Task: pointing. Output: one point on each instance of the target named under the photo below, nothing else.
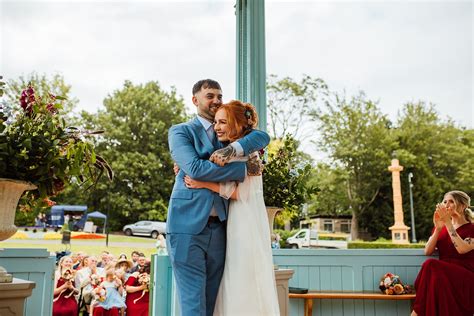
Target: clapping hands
(441, 216)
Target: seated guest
(64, 302)
(446, 286)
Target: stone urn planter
(271, 212)
(10, 193)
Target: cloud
(396, 51)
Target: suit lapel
(201, 132)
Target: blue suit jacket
(191, 148)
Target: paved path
(100, 242)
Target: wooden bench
(308, 297)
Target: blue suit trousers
(198, 264)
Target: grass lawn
(92, 247)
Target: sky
(396, 51)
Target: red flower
(49, 202)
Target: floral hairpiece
(248, 114)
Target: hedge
(378, 245)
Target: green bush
(332, 238)
(284, 234)
(380, 245)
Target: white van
(303, 238)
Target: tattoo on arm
(454, 244)
(468, 240)
(453, 232)
(223, 155)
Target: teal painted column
(251, 65)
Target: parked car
(145, 228)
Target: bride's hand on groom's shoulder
(222, 156)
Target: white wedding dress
(248, 285)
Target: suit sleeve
(254, 141)
(185, 155)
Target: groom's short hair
(204, 84)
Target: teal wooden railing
(319, 269)
(34, 265)
(349, 270)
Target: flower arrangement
(143, 278)
(392, 285)
(37, 146)
(96, 280)
(99, 293)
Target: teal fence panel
(163, 299)
(349, 270)
(319, 269)
(34, 265)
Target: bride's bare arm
(213, 186)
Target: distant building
(328, 224)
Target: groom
(196, 229)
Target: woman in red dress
(64, 302)
(138, 295)
(446, 286)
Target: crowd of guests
(111, 286)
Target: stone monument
(399, 229)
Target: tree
(291, 104)
(136, 120)
(439, 154)
(330, 200)
(357, 138)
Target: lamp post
(410, 185)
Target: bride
(248, 282)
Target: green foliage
(359, 141)
(356, 136)
(37, 145)
(440, 156)
(380, 245)
(25, 218)
(285, 178)
(332, 238)
(284, 235)
(331, 199)
(136, 119)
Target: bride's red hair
(241, 118)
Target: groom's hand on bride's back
(254, 166)
(222, 156)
